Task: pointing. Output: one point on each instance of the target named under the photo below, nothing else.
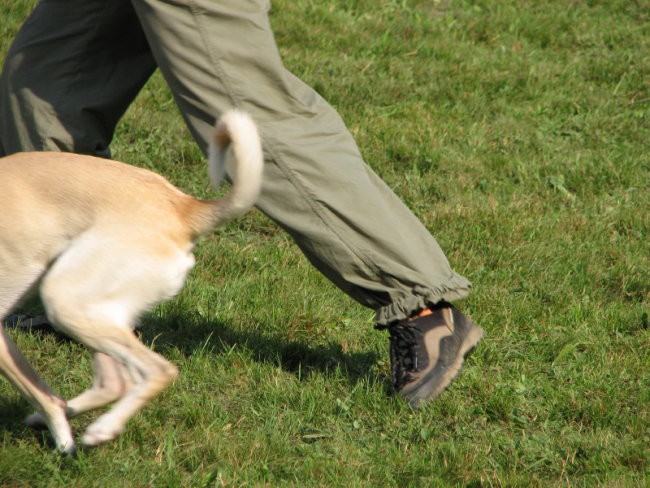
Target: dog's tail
(237, 131)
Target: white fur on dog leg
(70, 450)
(100, 431)
(65, 445)
(63, 440)
(60, 430)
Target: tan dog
(111, 241)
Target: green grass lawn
(519, 132)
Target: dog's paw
(63, 438)
(98, 433)
(67, 450)
(59, 428)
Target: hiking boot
(426, 352)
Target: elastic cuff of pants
(420, 298)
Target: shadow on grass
(12, 414)
(189, 334)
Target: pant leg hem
(454, 289)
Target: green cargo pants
(76, 65)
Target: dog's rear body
(105, 241)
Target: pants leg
(221, 54)
(73, 69)
(349, 224)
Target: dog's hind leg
(111, 380)
(15, 367)
(95, 297)
(151, 373)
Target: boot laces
(404, 343)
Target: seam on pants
(214, 61)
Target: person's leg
(349, 224)
(70, 74)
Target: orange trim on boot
(424, 313)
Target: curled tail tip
(237, 130)
(234, 127)
(233, 121)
